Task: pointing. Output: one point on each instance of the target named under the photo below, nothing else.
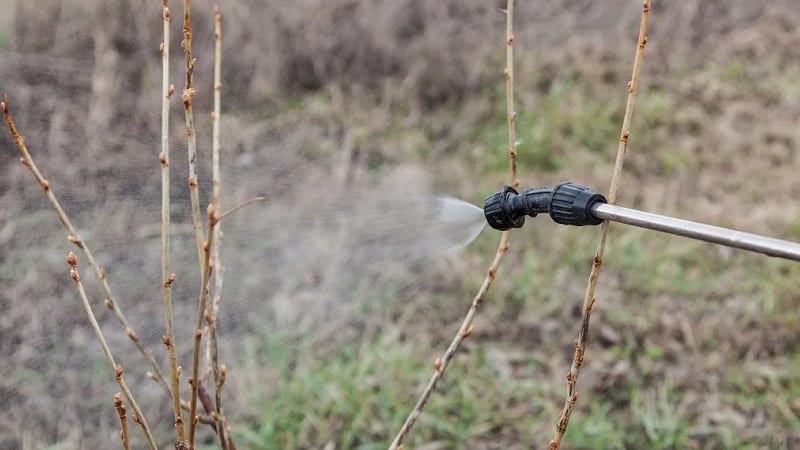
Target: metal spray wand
(572, 204)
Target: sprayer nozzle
(499, 213)
(567, 203)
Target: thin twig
(220, 373)
(110, 302)
(191, 138)
(216, 181)
(202, 312)
(168, 277)
(511, 114)
(241, 205)
(211, 319)
(464, 331)
(123, 422)
(466, 328)
(588, 299)
(72, 261)
(215, 116)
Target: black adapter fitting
(567, 203)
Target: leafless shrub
(217, 421)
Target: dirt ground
(691, 345)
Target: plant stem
(123, 422)
(464, 331)
(212, 347)
(597, 261)
(191, 138)
(111, 302)
(202, 311)
(168, 277)
(72, 261)
(241, 205)
(511, 114)
(466, 328)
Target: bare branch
(202, 311)
(110, 302)
(72, 261)
(123, 422)
(241, 205)
(511, 114)
(191, 138)
(464, 331)
(588, 299)
(167, 277)
(212, 347)
(466, 328)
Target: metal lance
(572, 204)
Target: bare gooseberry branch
(191, 138)
(111, 303)
(466, 329)
(72, 261)
(167, 277)
(597, 261)
(123, 421)
(202, 312)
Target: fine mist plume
(308, 249)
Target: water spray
(572, 204)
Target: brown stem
(111, 302)
(466, 328)
(191, 138)
(123, 422)
(597, 262)
(202, 311)
(72, 261)
(241, 205)
(167, 277)
(212, 347)
(464, 331)
(511, 114)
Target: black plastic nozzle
(567, 203)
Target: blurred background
(346, 114)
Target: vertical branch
(510, 112)
(216, 183)
(466, 329)
(166, 276)
(123, 422)
(202, 312)
(72, 261)
(215, 116)
(588, 299)
(212, 347)
(191, 138)
(110, 302)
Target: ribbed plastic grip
(572, 205)
(498, 213)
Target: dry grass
(717, 106)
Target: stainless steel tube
(694, 230)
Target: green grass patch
(565, 124)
